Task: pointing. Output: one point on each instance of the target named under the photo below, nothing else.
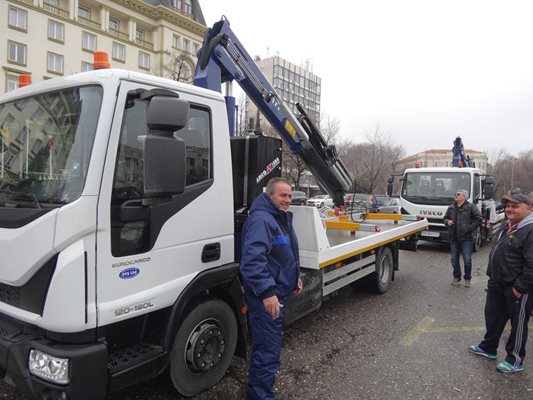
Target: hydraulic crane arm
(223, 59)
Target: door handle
(211, 252)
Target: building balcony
(89, 23)
(144, 43)
(56, 10)
(118, 34)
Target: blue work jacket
(270, 262)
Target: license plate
(430, 234)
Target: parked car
(380, 199)
(391, 206)
(320, 200)
(357, 200)
(299, 198)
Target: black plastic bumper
(87, 366)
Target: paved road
(409, 343)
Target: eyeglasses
(457, 194)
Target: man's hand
(272, 306)
(299, 286)
(450, 223)
(517, 294)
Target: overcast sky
(424, 71)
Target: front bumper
(87, 364)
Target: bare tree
(177, 66)
(372, 162)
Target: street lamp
(512, 173)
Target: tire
(477, 241)
(380, 280)
(203, 347)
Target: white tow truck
(122, 196)
(428, 191)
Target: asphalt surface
(409, 343)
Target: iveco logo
(428, 212)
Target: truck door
(149, 250)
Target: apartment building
(293, 83)
(50, 38)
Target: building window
(17, 18)
(17, 53)
(176, 4)
(186, 44)
(188, 6)
(185, 72)
(8, 121)
(22, 135)
(113, 24)
(12, 82)
(175, 41)
(54, 3)
(56, 31)
(36, 146)
(85, 66)
(196, 48)
(84, 12)
(88, 41)
(55, 63)
(139, 34)
(119, 52)
(144, 60)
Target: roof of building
(435, 151)
(197, 13)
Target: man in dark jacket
(270, 271)
(463, 221)
(510, 285)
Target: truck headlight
(48, 367)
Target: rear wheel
(379, 281)
(203, 347)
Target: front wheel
(203, 347)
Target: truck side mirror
(164, 154)
(488, 188)
(390, 185)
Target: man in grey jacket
(463, 221)
(510, 286)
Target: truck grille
(9, 295)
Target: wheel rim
(385, 270)
(205, 346)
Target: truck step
(133, 355)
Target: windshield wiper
(20, 200)
(417, 197)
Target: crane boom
(223, 59)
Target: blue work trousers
(266, 349)
(464, 247)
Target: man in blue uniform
(270, 271)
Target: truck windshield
(46, 141)
(434, 187)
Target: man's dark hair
(271, 185)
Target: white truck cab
(427, 192)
